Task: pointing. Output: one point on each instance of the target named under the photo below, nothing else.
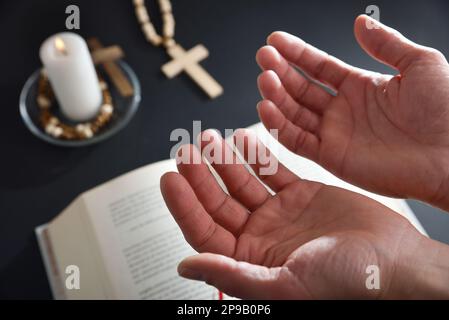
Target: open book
(126, 244)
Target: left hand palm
(385, 134)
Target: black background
(37, 180)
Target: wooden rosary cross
(188, 61)
(106, 56)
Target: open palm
(386, 134)
(308, 240)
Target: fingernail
(191, 274)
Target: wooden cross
(106, 57)
(188, 61)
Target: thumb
(240, 279)
(389, 46)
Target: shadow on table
(25, 276)
(27, 161)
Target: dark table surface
(38, 180)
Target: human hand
(386, 134)
(308, 240)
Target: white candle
(72, 75)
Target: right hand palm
(386, 134)
(308, 240)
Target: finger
(299, 88)
(316, 63)
(388, 45)
(242, 279)
(272, 89)
(221, 207)
(262, 161)
(292, 137)
(198, 227)
(241, 185)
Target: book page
(71, 243)
(140, 243)
(309, 170)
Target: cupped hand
(303, 240)
(387, 134)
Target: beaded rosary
(187, 61)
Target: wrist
(423, 272)
(441, 196)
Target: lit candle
(72, 75)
